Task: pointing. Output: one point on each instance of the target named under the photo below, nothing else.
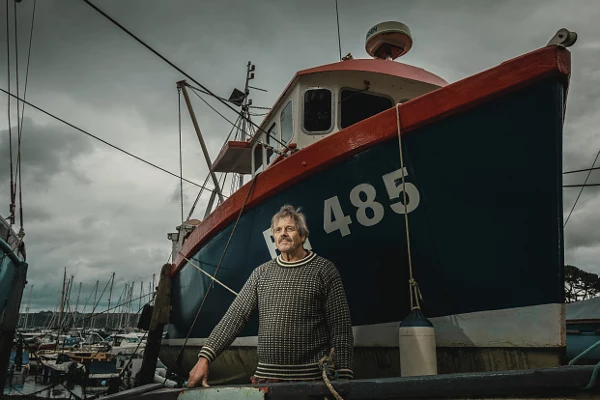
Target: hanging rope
(180, 153)
(209, 275)
(328, 372)
(212, 282)
(582, 187)
(413, 286)
(12, 183)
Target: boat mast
(183, 86)
(62, 305)
(141, 293)
(93, 320)
(27, 308)
(112, 281)
(76, 306)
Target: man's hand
(199, 374)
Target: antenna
(337, 17)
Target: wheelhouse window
(357, 105)
(286, 123)
(271, 141)
(318, 111)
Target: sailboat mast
(27, 308)
(93, 320)
(112, 281)
(76, 305)
(62, 305)
(141, 292)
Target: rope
(337, 18)
(215, 274)
(207, 274)
(16, 37)
(326, 365)
(582, 187)
(580, 170)
(180, 152)
(199, 194)
(413, 286)
(104, 141)
(12, 183)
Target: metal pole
(93, 320)
(62, 305)
(183, 86)
(129, 306)
(76, 306)
(27, 308)
(112, 281)
(141, 293)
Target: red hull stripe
(449, 100)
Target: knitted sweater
(303, 313)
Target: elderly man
(303, 312)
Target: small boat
(482, 163)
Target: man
(303, 312)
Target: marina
(398, 172)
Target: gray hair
(293, 213)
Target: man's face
(287, 237)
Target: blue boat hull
(485, 224)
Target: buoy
(417, 345)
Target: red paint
(384, 67)
(452, 99)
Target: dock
(567, 382)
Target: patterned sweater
(303, 313)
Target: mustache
(284, 239)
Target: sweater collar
(298, 263)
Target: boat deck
(566, 382)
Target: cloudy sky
(94, 210)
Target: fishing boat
(482, 163)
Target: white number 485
(363, 197)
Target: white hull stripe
(532, 326)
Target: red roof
(379, 66)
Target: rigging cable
(267, 146)
(12, 183)
(582, 187)
(580, 170)
(16, 37)
(105, 142)
(22, 119)
(180, 152)
(337, 18)
(89, 3)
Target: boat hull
(485, 219)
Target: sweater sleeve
(234, 320)
(337, 313)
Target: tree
(580, 285)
